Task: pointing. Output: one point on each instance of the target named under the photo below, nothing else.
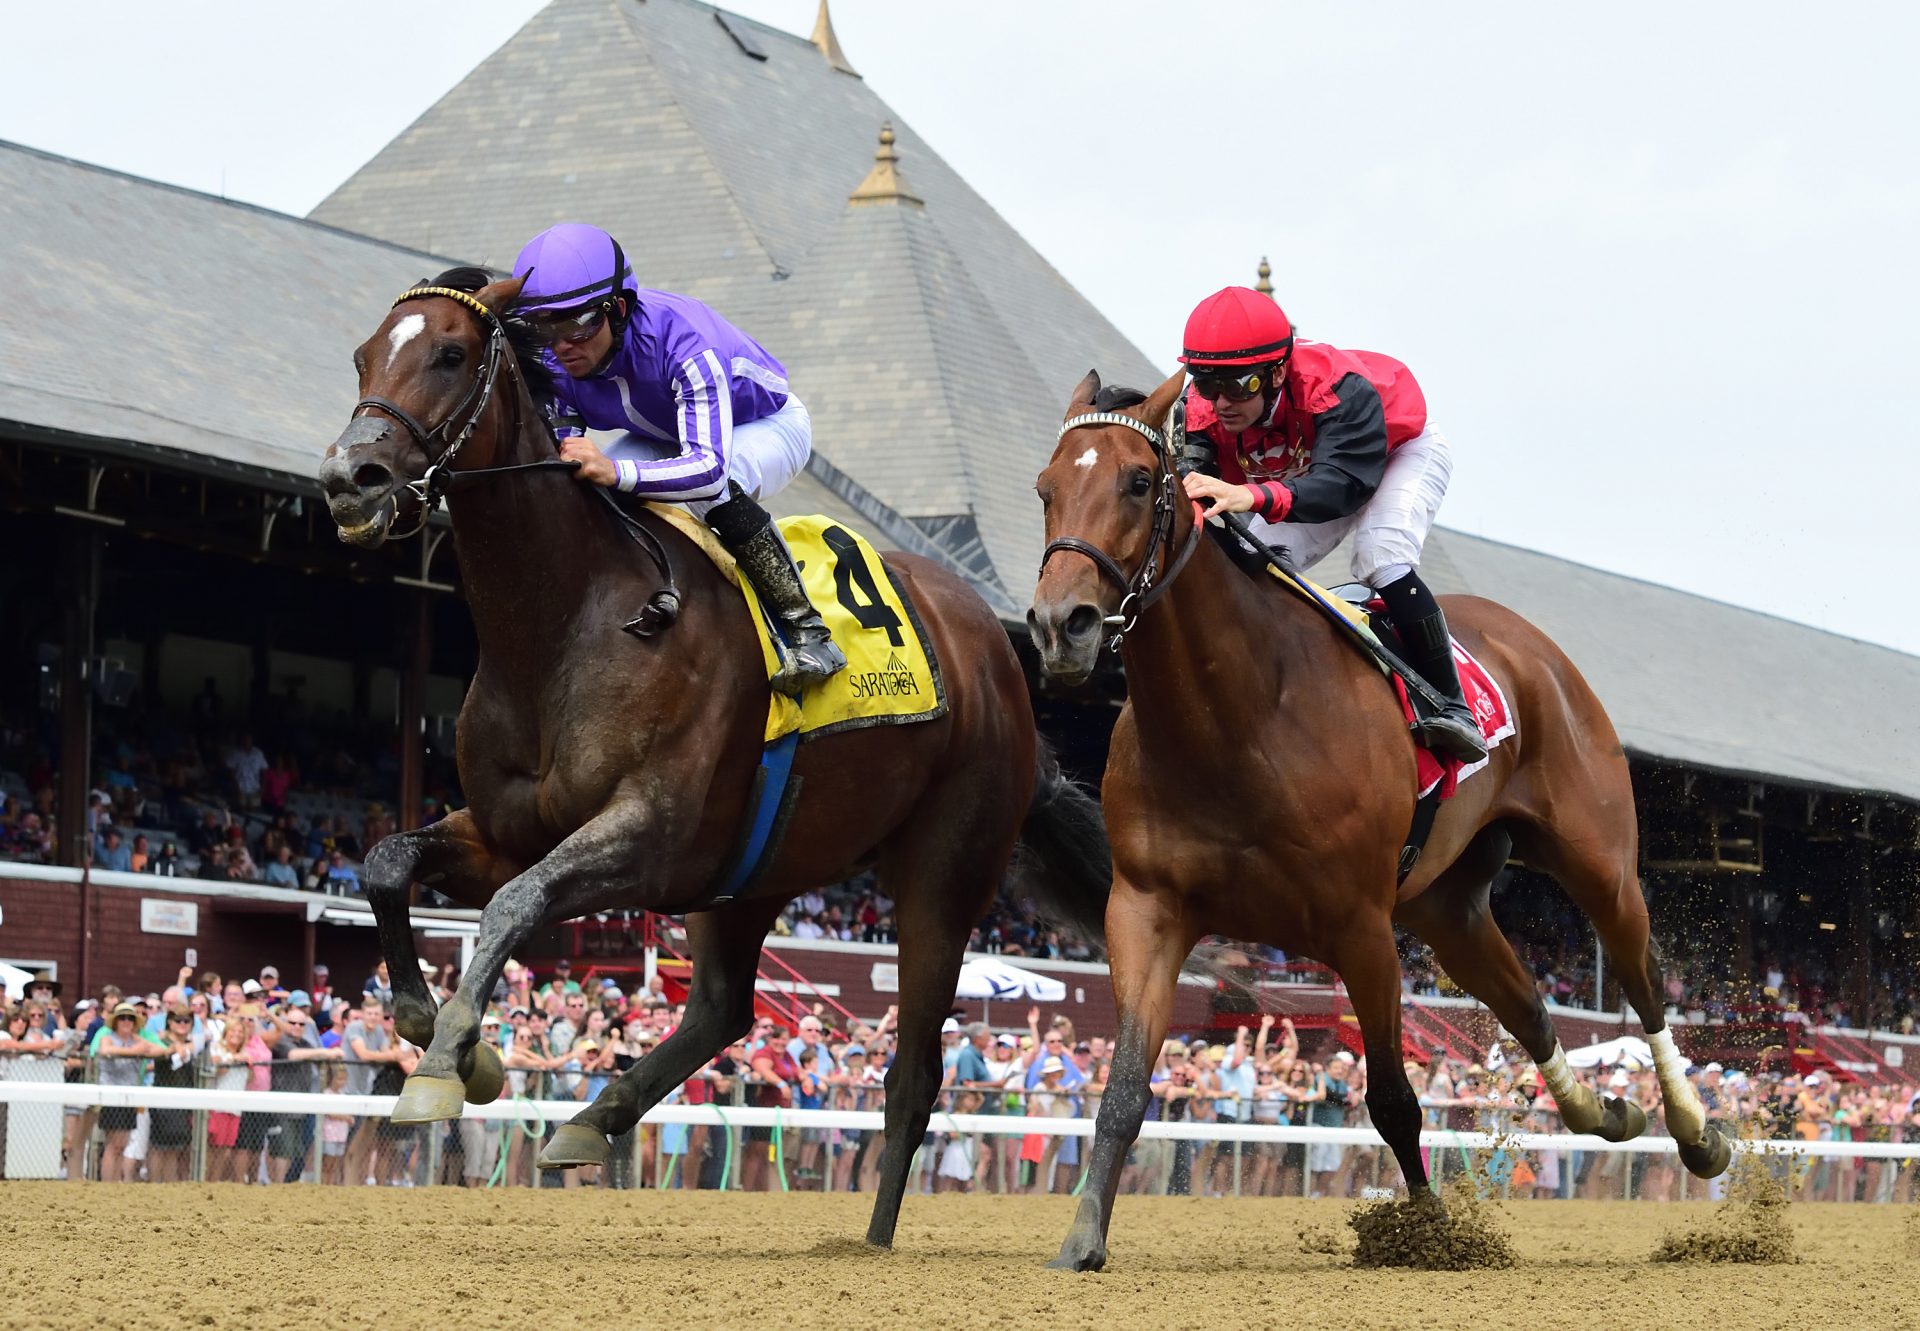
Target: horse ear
(1083, 395)
(499, 296)
(1154, 410)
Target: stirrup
(1453, 733)
(812, 656)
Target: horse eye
(1139, 483)
(449, 356)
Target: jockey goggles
(571, 326)
(1210, 385)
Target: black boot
(809, 653)
(1423, 628)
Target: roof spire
(829, 44)
(885, 184)
(1265, 285)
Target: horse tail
(1066, 865)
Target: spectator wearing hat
(120, 1047)
(774, 1074)
(1047, 1099)
(294, 1045)
(480, 1137)
(370, 1048)
(110, 852)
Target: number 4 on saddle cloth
(892, 676)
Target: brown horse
(607, 770)
(1261, 782)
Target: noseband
(433, 483)
(1146, 583)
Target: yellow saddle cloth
(891, 677)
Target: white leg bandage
(1686, 1116)
(1579, 1107)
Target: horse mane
(533, 368)
(1116, 397)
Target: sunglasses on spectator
(571, 326)
(1214, 385)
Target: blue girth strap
(768, 808)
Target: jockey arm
(703, 397)
(1349, 458)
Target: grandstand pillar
(1858, 988)
(82, 564)
(413, 706)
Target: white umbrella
(1628, 1049)
(16, 981)
(994, 980)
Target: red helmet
(1236, 326)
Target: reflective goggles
(1211, 385)
(572, 326)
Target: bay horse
(606, 770)
(1260, 784)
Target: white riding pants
(1391, 528)
(765, 455)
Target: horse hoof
(428, 1100)
(485, 1076)
(413, 1020)
(1077, 1255)
(574, 1144)
(1625, 1120)
(1708, 1157)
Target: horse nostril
(1083, 621)
(371, 476)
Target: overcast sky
(1653, 264)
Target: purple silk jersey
(681, 373)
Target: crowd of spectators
(297, 807)
(564, 1039)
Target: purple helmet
(572, 265)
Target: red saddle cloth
(1489, 706)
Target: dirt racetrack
(286, 1259)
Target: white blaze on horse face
(1088, 458)
(404, 332)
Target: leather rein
(1147, 582)
(662, 608)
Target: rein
(662, 608)
(1147, 582)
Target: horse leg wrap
(1686, 1115)
(1579, 1108)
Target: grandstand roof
(934, 347)
(1698, 681)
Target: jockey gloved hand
(1219, 496)
(595, 466)
(1270, 499)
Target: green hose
(779, 1149)
(726, 1167)
(535, 1134)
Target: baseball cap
(855, 1051)
(1713, 1067)
(274, 971)
(427, 967)
(250, 987)
(1007, 1041)
(563, 964)
(949, 1027)
(299, 998)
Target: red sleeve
(1272, 500)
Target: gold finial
(1265, 285)
(885, 184)
(829, 44)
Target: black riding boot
(809, 654)
(1423, 628)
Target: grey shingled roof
(219, 333)
(935, 348)
(212, 329)
(1698, 681)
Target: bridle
(438, 478)
(663, 606)
(1147, 582)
